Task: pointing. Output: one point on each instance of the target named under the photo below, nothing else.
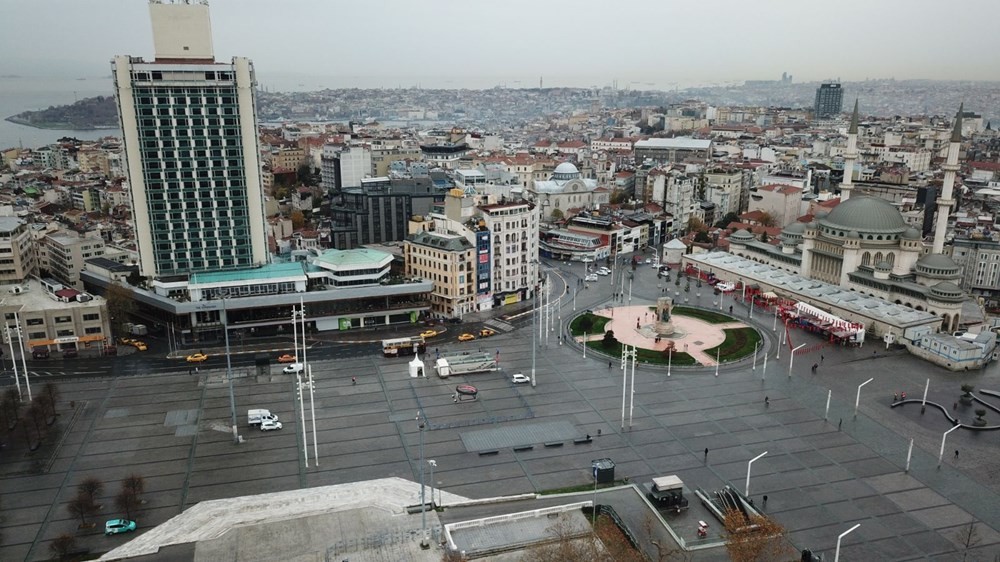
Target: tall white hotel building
(191, 149)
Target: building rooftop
(448, 242)
(34, 297)
(675, 143)
(10, 224)
(270, 271)
(352, 258)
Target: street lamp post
(423, 502)
(13, 361)
(755, 348)
(746, 488)
(943, 438)
(534, 344)
(836, 556)
(857, 399)
(717, 350)
(670, 359)
(763, 369)
(229, 368)
(791, 358)
(432, 463)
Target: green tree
(609, 342)
(618, 196)
(304, 175)
(298, 220)
(121, 306)
(764, 238)
(766, 219)
(727, 219)
(702, 237)
(557, 214)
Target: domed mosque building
(865, 245)
(566, 189)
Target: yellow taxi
(466, 337)
(196, 358)
(286, 358)
(486, 332)
(428, 334)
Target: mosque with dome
(567, 190)
(864, 245)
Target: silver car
(268, 425)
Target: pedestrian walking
(954, 406)
(706, 453)
(765, 499)
(956, 453)
(840, 424)
(767, 401)
(609, 365)
(821, 358)
(895, 397)
(902, 396)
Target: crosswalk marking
(500, 325)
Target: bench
(554, 444)
(488, 453)
(582, 440)
(523, 448)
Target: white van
(255, 417)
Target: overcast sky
(474, 43)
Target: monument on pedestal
(664, 327)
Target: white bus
(404, 346)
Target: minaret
(945, 202)
(850, 155)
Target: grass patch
(582, 488)
(579, 325)
(739, 343)
(650, 356)
(702, 314)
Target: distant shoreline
(56, 126)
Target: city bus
(403, 346)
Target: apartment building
(514, 228)
(18, 256)
(448, 261)
(724, 188)
(782, 202)
(53, 317)
(67, 252)
(980, 263)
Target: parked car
(519, 378)
(286, 358)
(268, 425)
(486, 332)
(293, 368)
(466, 337)
(115, 526)
(603, 272)
(196, 358)
(70, 353)
(111, 350)
(591, 277)
(40, 354)
(455, 320)
(649, 260)
(141, 346)
(125, 341)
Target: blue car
(115, 526)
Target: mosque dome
(566, 171)
(741, 236)
(946, 290)
(937, 265)
(912, 234)
(795, 228)
(869, 215)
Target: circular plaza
(666, 334)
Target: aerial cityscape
(347, 295)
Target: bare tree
(36, 412)
(968, 537)
(44, 405)
(63, 545)
(565, 546)
(135, 483)
(81, 506)
(126, 501)
(90, 487)
(51, 390)
(11, 407)
(663, 552)
(754, 538)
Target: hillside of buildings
(503, 108)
